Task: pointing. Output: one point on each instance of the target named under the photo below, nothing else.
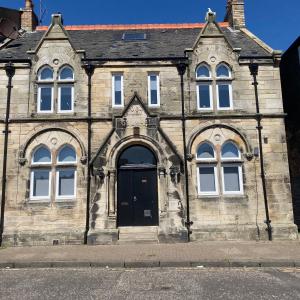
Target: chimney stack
(29, 20)
(235, 13)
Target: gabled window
(117, 90)
(45, 90)
(153, 89)
(204, 88)
(66, 90)
(224, 87)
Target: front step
(138, 234)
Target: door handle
(134, 198)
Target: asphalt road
(150, 284)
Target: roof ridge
(134, 26)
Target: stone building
(142, 132)
(290, 80)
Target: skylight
(134, 36)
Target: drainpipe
(89, 69)
(10, 72)
(181, 67)
(253, 67)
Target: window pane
(42, 155)
(66, 98)
(45, 98)
(229, 150)
(153, 89)
(207, 179)
(224, 96)
(223, 71)
(67, 154)
(66, 74)
(41, 183)
(66, 182)
(205, 151)
(231, 179)
(137, 155)
(118, 90)
(204, 96)
(46, 74)
(203, 71)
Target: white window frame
(241, 183)
(113, 90)
(57, 196)
(59, 98)
(210, 96)
(32, 197)
(45, 80)
(209, 71)
(66, 80)
(207, 159)
(40, 86)
(214, 166)
(224, 82)
(157, 88)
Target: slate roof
(108, 44)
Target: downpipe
(89, 69)
(10, 72)
(253, 67)
(181, 68)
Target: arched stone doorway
(137, 195)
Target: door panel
(138, 189)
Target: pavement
(200, 254)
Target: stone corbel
(249, 156)
(83, 160)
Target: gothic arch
(24, 147)
(201, 129)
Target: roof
(105, 41)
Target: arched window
(40, 183)
(66, 90)
(232, 176)
(219, 169)
(66, 173)
(44, 168)
(45, 90)
(205, 151)
(224, 88)
(207, 170)
(204, 87)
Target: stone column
(111, 193)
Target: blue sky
(274, 21)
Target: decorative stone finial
(210, 16)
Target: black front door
(137, 197)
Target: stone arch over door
(112, 163)
(137, 182)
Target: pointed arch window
(219, 170)
(66, 173)
(204, 87)
(224, 87)
(232, 176)
(66, 90)
(45, 90)
(207, 170)
(40, 183)
(60, 171)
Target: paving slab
(205, 254)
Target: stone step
(138, 234)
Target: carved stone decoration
(121, 123)
(22, 161)
(249, 156)
(136, 116)
(152, 122)
(83, 160)
(190, 157)
(111, 192)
